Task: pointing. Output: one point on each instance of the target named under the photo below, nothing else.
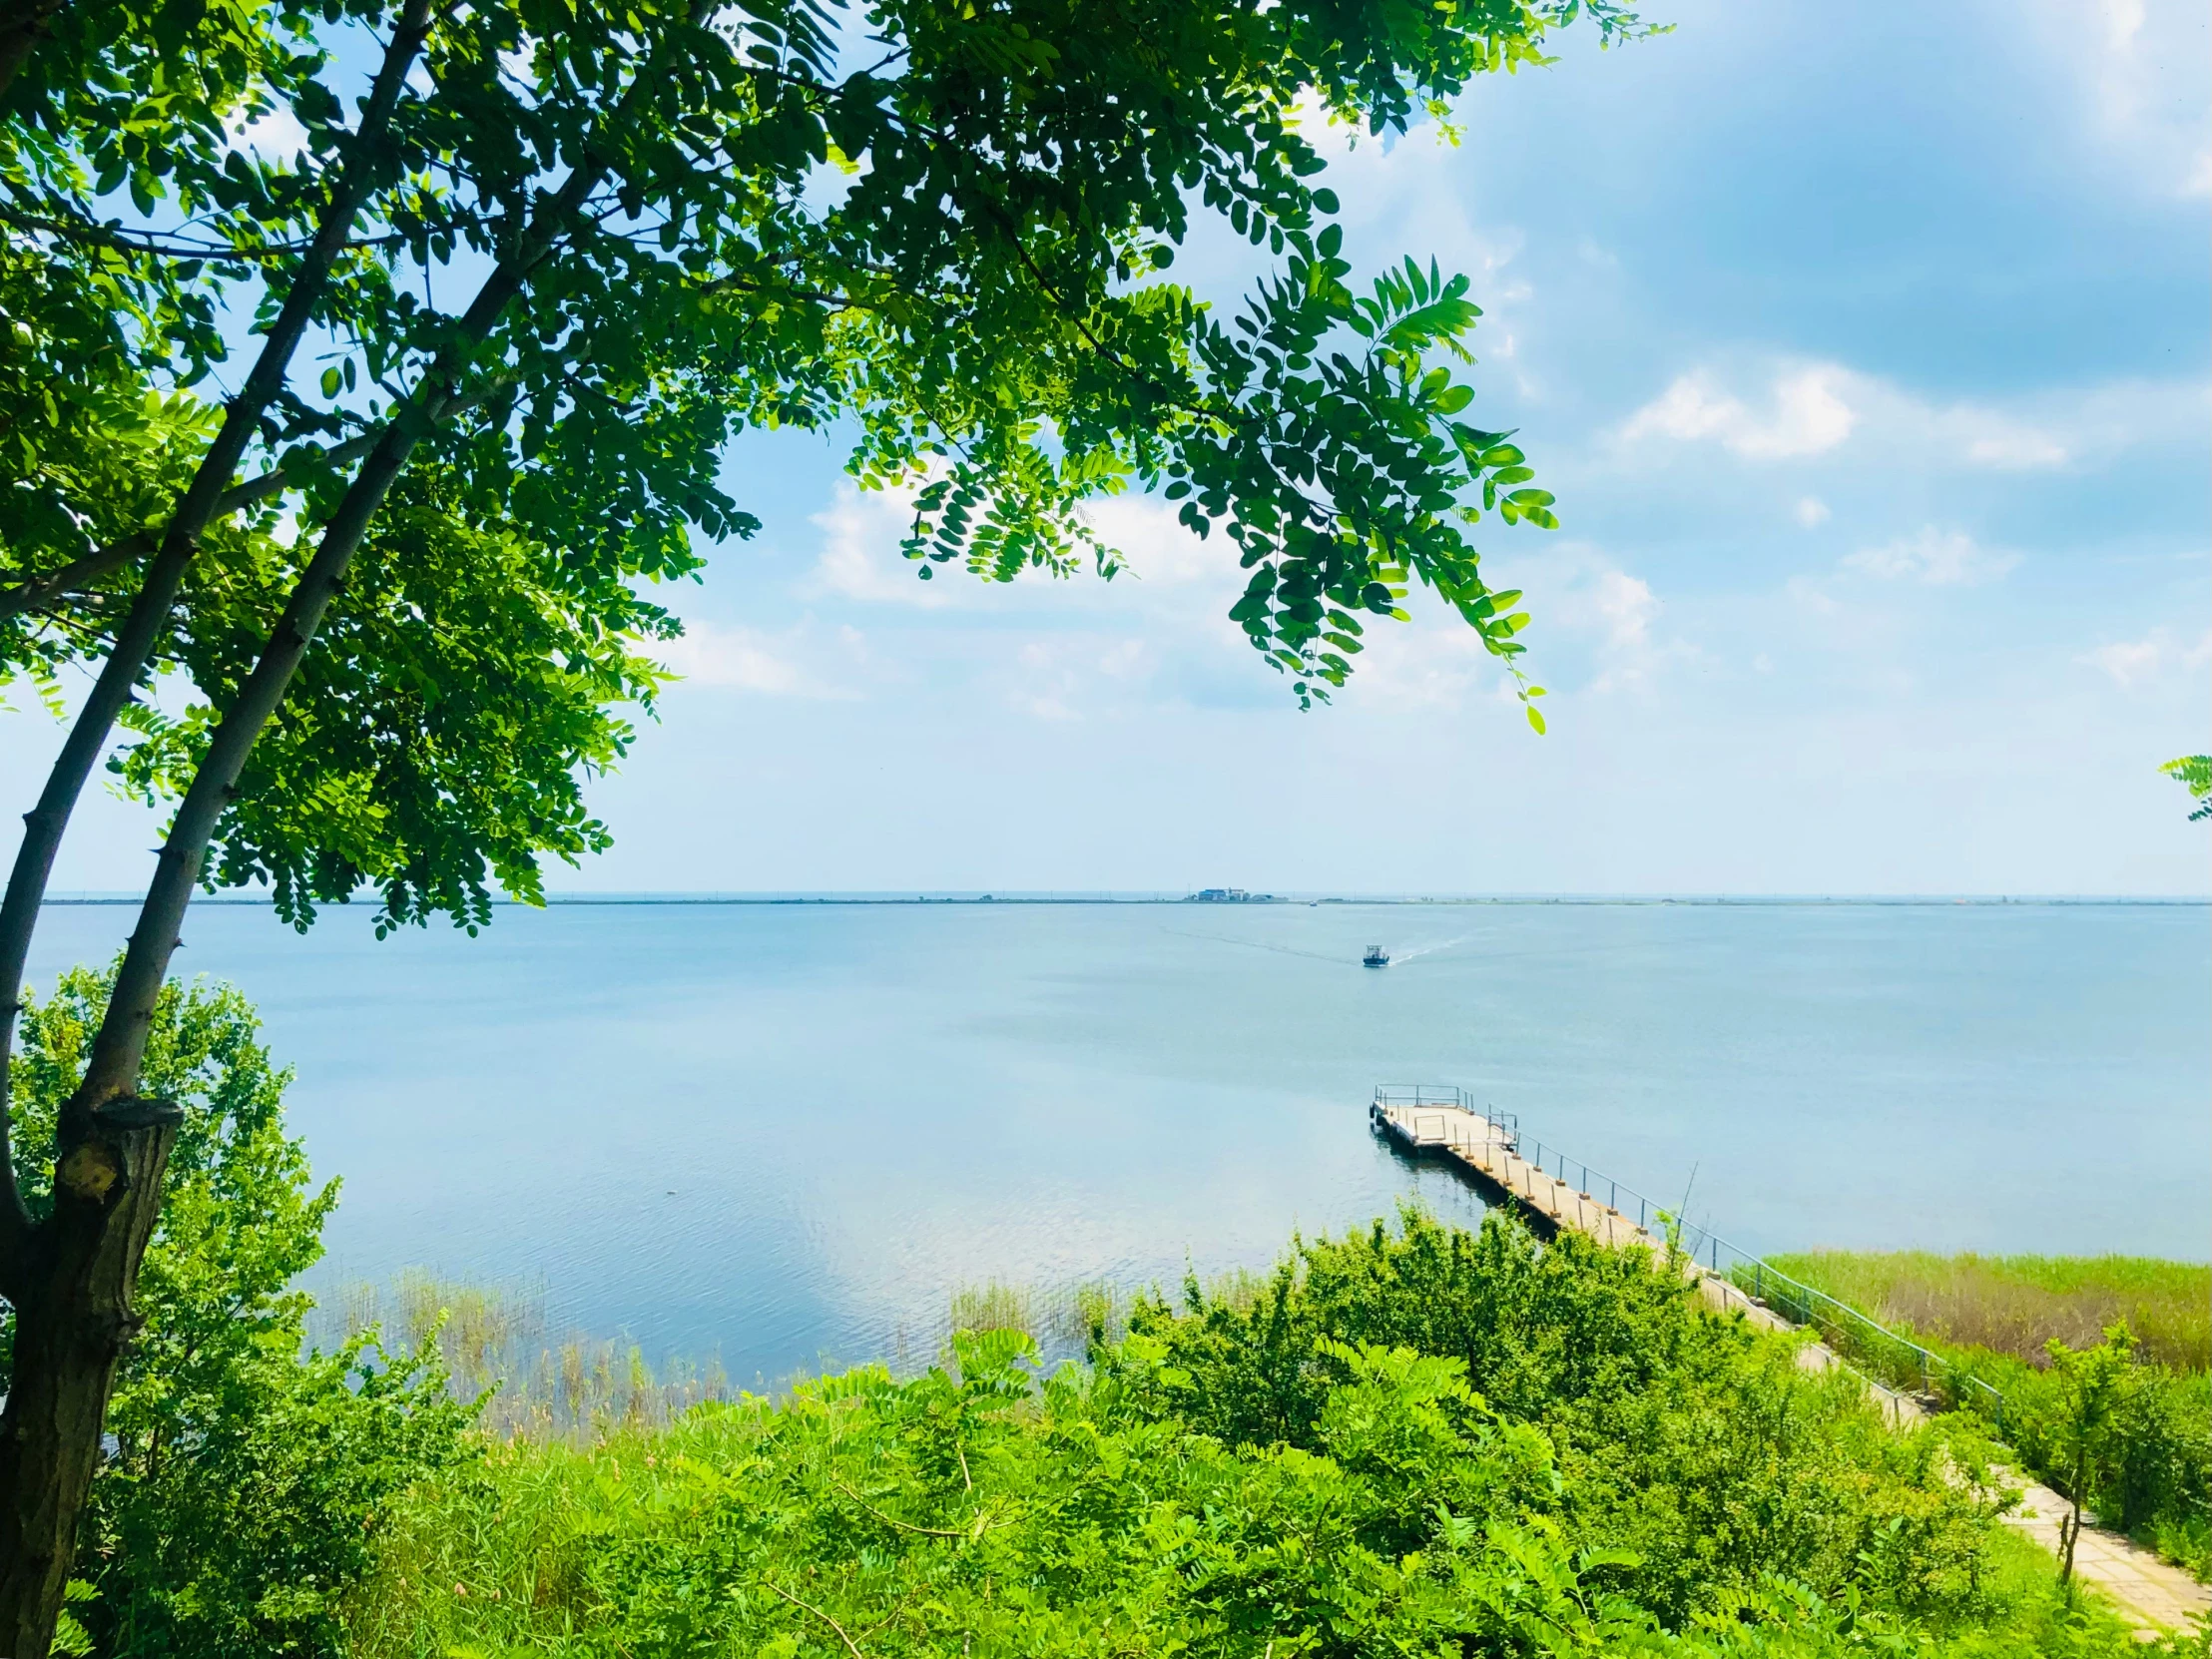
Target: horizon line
(1163, 895)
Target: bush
(244, 1482)
(1683, 1438)
(1423, 1443)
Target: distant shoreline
(1710, 901)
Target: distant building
(1228, 895)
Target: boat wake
(1256, 944)
(1417, 951)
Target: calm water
(784, 1133)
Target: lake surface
(785, 1133)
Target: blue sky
(1867, 351)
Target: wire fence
(1893, 1360)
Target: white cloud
(859, 550)
(1938, 558)
(1807, 414)
(787, 664)
(1048, 686)
(1160, 551)
(275, 137)
(2008, 447)
(1811, 512)
(2133, 663)
(2140, 84)
(1168, 570)
(1798, 412)
(1429, 662)
(1584, 594)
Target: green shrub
(1421, 1444)
(1686, 1439)
(244, 1482)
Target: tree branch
(94, 234)
(893, 1520)
(45, 825)
(850, 1645)
(119, 1047)
(80, 574)
(23, 24)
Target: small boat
(1376, 956)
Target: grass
(494, 1343)
(579, 1389)
(2012, 1305)
(1065, 1320)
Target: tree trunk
(209, 497)
(70, 1278)
(22, 26)
(72, 1275)
(70, 1327)
(2069, 1529)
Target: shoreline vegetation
(1411, 1439)
(2002, 1322)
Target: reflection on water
(787, 1134)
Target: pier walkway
(1489, 1147)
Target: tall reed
(494, 1344)
(2012, 1305)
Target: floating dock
(1441, 1119)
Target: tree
(2093, 1385)
(241, 1499)
(406, 592)
(2194, 772)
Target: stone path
(2153, 1594)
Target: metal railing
(1896, 1361)
(1441, 1095)
(1423, 1094)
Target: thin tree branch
(851, 1646)
(42, 591)
(80, 574)
(893, 1520)
(96, 235)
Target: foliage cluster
(2194, 772)
(1420, 1441)
(2017, 1322)
(244, 1482)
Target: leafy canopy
(951, 228)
